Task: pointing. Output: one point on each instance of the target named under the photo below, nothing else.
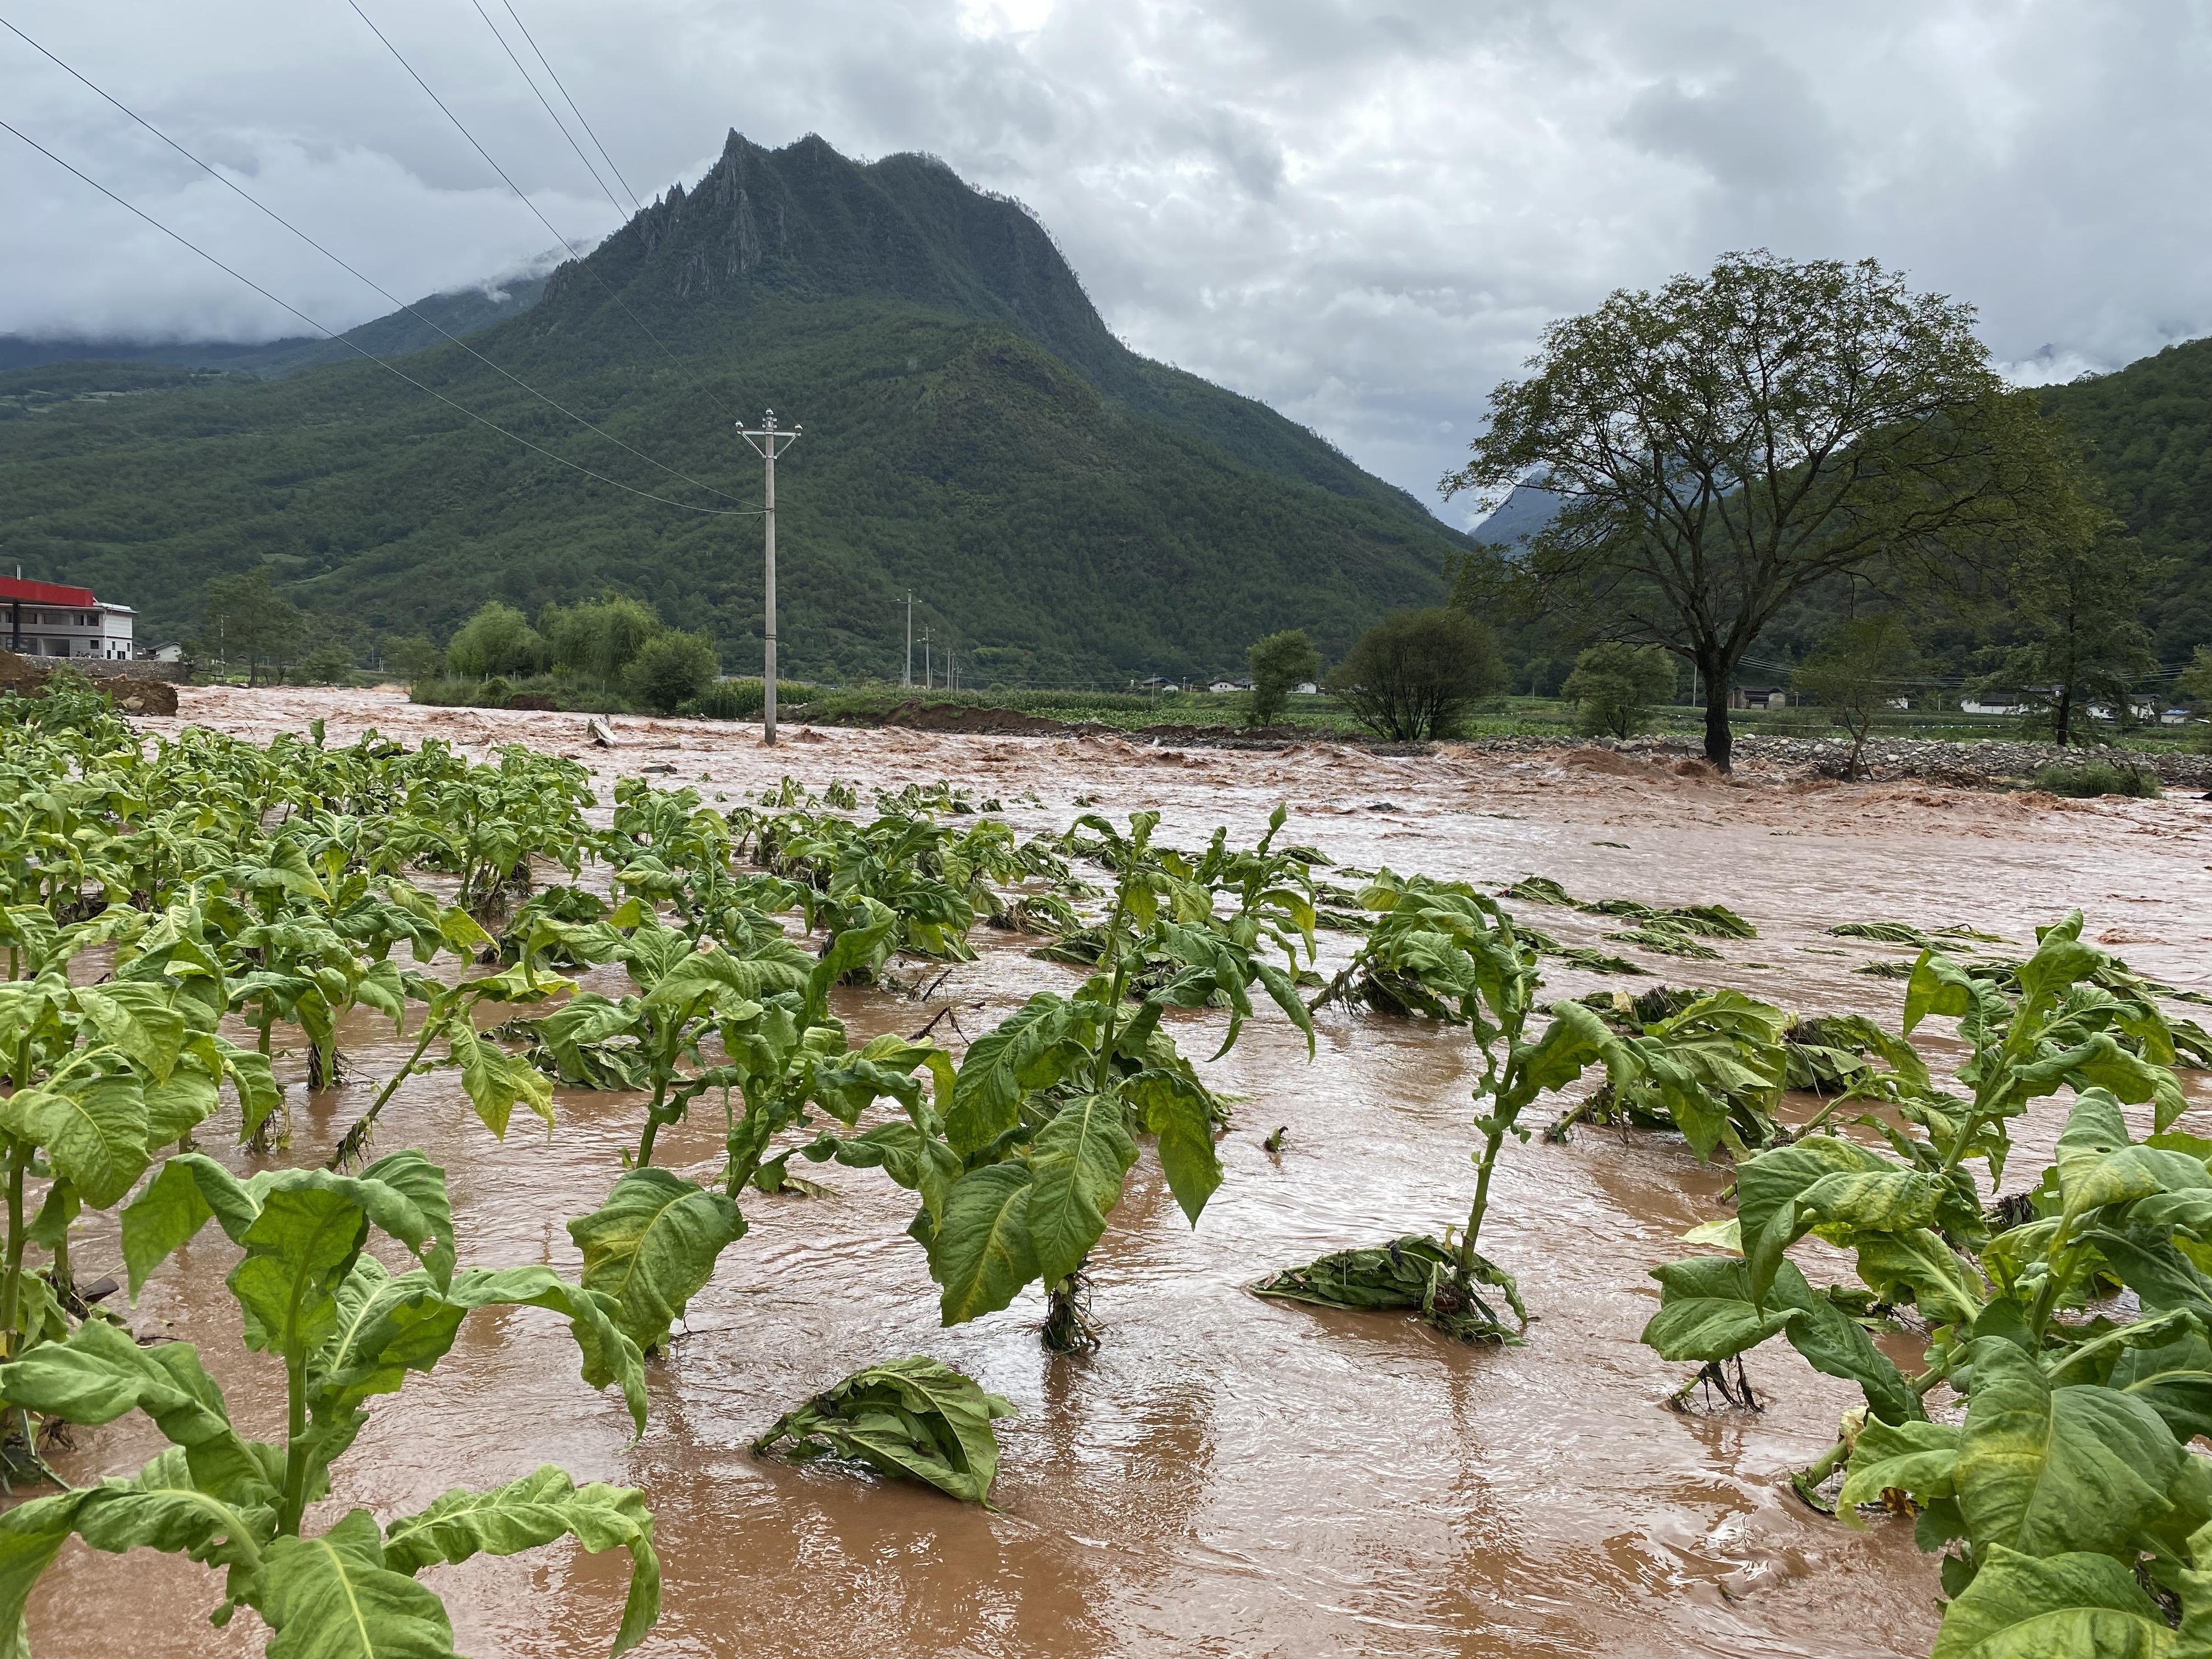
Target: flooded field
(1224, 1475)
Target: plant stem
(1474, 1215)
(295, 1446)
(651, 1123)
(353, 1139)
(11, 1285)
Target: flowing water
(1224, 1475)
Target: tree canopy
(1728, 441)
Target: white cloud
(1364, 213)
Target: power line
(389, 368)
(530, 82)
(570, 101)
(525, 201)
(246, 197)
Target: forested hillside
(973, 431)
(2148, 429)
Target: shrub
(494, 693)
(1614, 687)
(1416, 674)
(1277, 663)
(600, 639)
(673, 669)
(326, 664)
(2099, 778)
(414, 657)
(497, 639)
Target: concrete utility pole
(768, 443)
(908, 681)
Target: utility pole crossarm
(768, 440)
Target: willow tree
(1733, 440)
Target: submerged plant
(346, 1329)
(915, 1419)
(1458, 956)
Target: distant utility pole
(908, 681)
(768, 443)
(925, 681)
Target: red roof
(14, 587)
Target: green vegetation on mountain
(1060, 507)
(2148, 432)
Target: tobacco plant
(346, 1329)
(1456, 955)
(2067, 1499)
(1019, 1162)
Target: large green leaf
(1176, 1110)
(610, 1355)
(2046, 1470)
(1834, 1344)
(1706, 1311)
(31, 1535)
(138, 1018)
(981, 1254)
(1917, 1261)
(1918, 1457)
(522, 1514)
(1768, 1186)
(495, 1081)
(1076, 1165)
(333, 1597)
(100, 1372)
(652, 1245)
(2069, 1606)
(164, 1507)
(92, 1127)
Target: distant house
(1758, 696)
(1305, 689)
(52, 619)
(1227, 685)
(171, 653)
(1987, 706)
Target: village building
(54, 619)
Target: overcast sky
(1362, 213)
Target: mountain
(2148, 432)
(1061, 507)
(461, 313)
(1519, 516)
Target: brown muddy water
(1224, 1475)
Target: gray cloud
(1363, 213)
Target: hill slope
(973, 431)
(2148, 429)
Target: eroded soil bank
(1225, 1475)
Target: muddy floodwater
(1224, 1475)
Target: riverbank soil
(1224, 1475)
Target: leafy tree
(1279, 663)
(600, 638)
(1854, 674)
(414, 656)
(1614, 686)
(1727, 442)
(1414, 675)
(326, 664)
(242, 616)
(2076, 597)
(497, 639)
(2195, 682)
(672, 669)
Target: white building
(54, 619)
